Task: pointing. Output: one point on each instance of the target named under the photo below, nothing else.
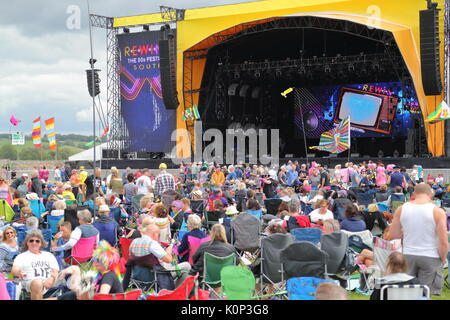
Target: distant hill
(67, 145)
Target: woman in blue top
(254, 208)
(194, 223)
(352, 221)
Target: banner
(36, 133)
(17, 138)
(442, 113)
(51, 135)
(149, 124)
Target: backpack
(349, 261)
(356, 243)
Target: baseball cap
(163, 166)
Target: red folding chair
(125, 248)
(132, 295)
(180, 293)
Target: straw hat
(231, 210)
(372, 207)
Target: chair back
(246, 228)
(37, 207)
(212, 265)
(212, 217)
(194, 244)
(197, 207)
(143, 274)
(238, 283)
(84, 248)
(136, 202)
(405, 292)
(131, 295)
(382, 249)
(124, 244)
(365, 198)
(182, 292)
(6, 211)
(108, 231)
(395, 205)
(70, 214)
(366, 237)
(303, 288)
(271, 247)
(303, 259)
(272, 205)
(53, 222)
(307, 234)
(335, 244)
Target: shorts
(27, 285)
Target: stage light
(302, 70)
(237, 75)
(126, 30)
(257, 74)
(146, 27)
(327, 69)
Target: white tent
(88, 155)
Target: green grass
(444, 296)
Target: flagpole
(93, 93)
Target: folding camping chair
(53, 223)
(70, 214)
(131, 295)
(182, 292)
(335, 244)
(303, 259)
(143, 278)
(307, 234)
(238, 283)
(271, 247)
(365, 235)
(37, 207)
(246, 229)
(272, 205)
(213, 217)
(124, 244)
(212, 266)
(82, 253)
(303, 288)
(136, 203)
(197, 207)
(405, 292)
(194, 244)
(365, 198)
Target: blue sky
(43, 61)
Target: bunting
(335, 140)
(51, 135)
(36, 133)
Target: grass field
(444, 296)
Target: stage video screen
(377, 110)
(149, 123)
(363, 109)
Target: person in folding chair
(396, 274)
(37, 268)
(84, 237)
(194, 224)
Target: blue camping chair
(365, 198)
(37, 207)
(306, 208)
(307, 234)
(303, 288)
(383, 207)
(53, 223)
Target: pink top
(381, 176)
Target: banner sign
(18, 138)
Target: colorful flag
(51, 135)
(191, 114)
(91, 143)
(335, 140)
(14, 121)
(442, 113)
(36, 133)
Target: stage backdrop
(321, 105)
(148, 122)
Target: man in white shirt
(57, 174)
(144, 183)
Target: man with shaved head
(423, 227)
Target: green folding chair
(212, 266)
(395, 205)
(237, 283)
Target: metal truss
(118, 138)
(172, 14)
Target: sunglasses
(34, 240)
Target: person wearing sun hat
(67, 193)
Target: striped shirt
(145, 245)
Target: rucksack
(349, 261)
(356, 243)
